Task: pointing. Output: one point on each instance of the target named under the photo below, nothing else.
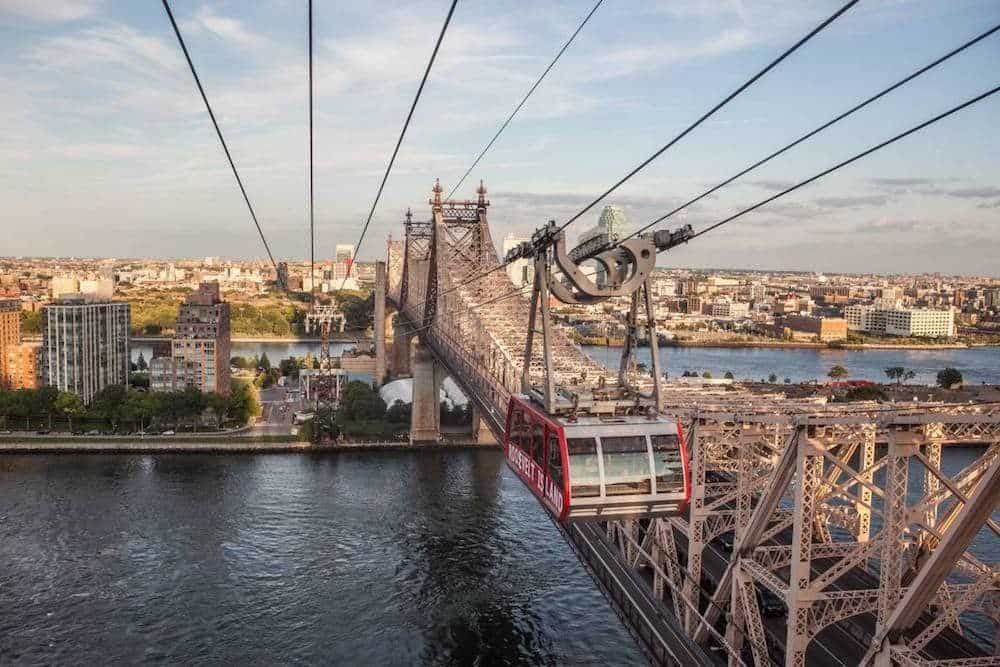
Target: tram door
(534, 452)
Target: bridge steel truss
(841, 512)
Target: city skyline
(129, 164)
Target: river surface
(355, 558)
(977, 365)
(358, 558)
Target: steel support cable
(824, 126)
(691, 127)
(312, 217)
(218, 131)
(399, 142)
(520, 104)
(726, 100)
(855, 158)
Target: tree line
(363, 413)
(121, 409)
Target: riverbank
(795, 345)
(792, 345)
(268, 444)
(334, 338)
(70, 445)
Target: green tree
(863, 394)
(360, 402)
(141, 363)
(772, 378)
(244, 402)
(358, 310)
(323, 427)
(290, 367)
(69, 406)
(218, 405)
(31, 322)
(107, 403)
(707, 375)
(138, 408)
(264, 363)
(837, 372)
(399, 412)
(948, 378)
(899, 374)
(729, 375)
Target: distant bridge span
(840, 514)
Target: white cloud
(227, 28)
(50, 10)
(113, 44)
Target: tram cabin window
(520, 431)
(555, 461)
(538, 442)
(584, 474)
(668, 464)
(626, 465)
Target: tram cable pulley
(627, 269)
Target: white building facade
(521, 271)
(85, 346)
(897, 321)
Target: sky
(106, 148)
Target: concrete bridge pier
(379, 323)
(425, 424)
(481, 433)
(399, 352)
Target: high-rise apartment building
(611, 226)
(85, 346)
(22, 366)
(94, 289)
(343, 253)
(282, 276)
(521, 271)
(200, 348)
(10, 335)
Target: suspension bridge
(816, 533)
(809, 533)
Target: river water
(355, 559)
(977, 365)
(359, 558)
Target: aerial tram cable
(756, 77)
(855, 158)
(201, 89)
(809, 135)
(774, 63)
(399, 142)
(520, 104)
(312, 217)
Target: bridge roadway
(843, 643)
(649, 621)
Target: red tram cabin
(598, 467)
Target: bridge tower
(379, 323)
